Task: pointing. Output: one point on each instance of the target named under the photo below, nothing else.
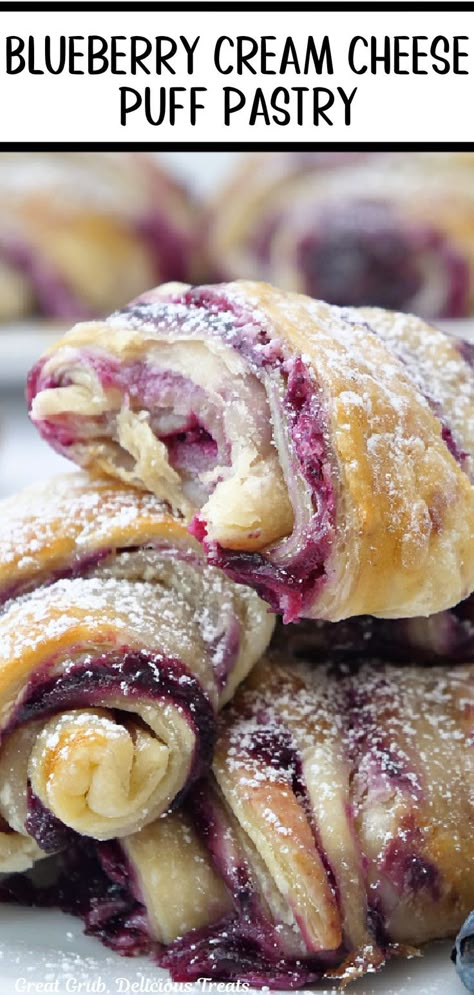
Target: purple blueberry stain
(361, 253)
(132, 675)
(95, 882)
(291, 587)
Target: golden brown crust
(63, 522)
(112, 612)
(406, 509)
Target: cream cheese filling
(243, 498)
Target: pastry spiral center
(85, 765)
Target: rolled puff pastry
(118, 646)
(335, 831)
(340, 814)
(137, 894)
(390, 229)
(81, 233)
(322, 455)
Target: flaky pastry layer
(322, 455)
(118, 646)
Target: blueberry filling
(466, 350)
(290, 586)
(239, 949)
(361, 253)
(190, 444)
(408, 870)
(49, 832)
(250, 944)
(94, 882)
(209, 819)
(80, 567)
(247, 945)
(132, 675)
(192, 449)
(447, 637)
(224, 651)
(370, 747)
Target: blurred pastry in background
(446, 637)
(82, 232)
(389, 229)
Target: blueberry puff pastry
(118, 645)
(80, 233)
(322, 455)
(335, 831)
(340, 815)
(389, 229)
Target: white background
(386, 107)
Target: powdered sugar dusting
(384, 444)
(390, 715)
(385, 751)
(59, 523)
(438, 368)
(136, 621)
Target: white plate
(46, 951)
